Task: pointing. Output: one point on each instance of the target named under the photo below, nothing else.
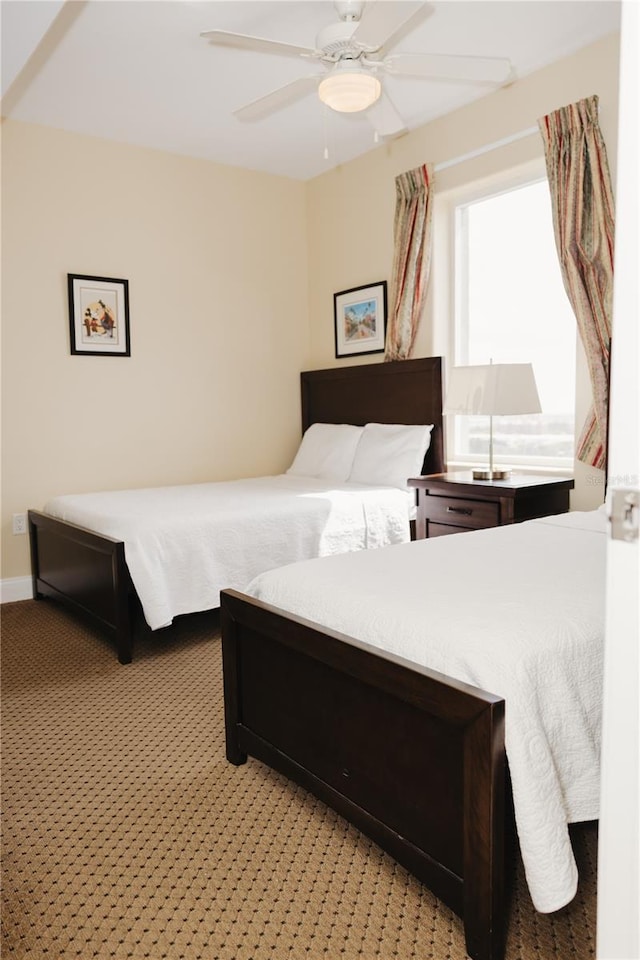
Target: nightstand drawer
(474, 514)
(444, 529)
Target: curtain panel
(411, 260)
(583, 219)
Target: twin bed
(395, 685)
(172, 550)
(423, 689)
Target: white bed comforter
(517, 611)
(185, 544)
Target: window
(511, 307)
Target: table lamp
(493, 389)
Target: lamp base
(491, 474)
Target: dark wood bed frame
(412, 758)
(87, 571)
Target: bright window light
(511, 307)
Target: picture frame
(98, 316)
(360, 316)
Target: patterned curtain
(583, 218)
(411, 260)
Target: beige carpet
(127, 834)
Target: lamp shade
(495, 389)
(349, 89)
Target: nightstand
(454, 502)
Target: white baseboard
(16, 588)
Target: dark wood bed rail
(412, 758)
(86, 571)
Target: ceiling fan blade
(382, 25)
(385, 119)
(222, 38)
(282, 97)
(451, 67)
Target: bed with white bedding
(418, 634)
(171, 550)
(185, 544)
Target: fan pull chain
(324, 132)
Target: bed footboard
(87, 572)
(412, 758)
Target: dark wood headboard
(402, 391)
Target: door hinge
(624, 514)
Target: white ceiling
(137, 71)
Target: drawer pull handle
(465, 511)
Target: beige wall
(351, 208)
(232, 276)
(217, 266)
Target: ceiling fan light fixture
(349, 89)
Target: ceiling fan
(353, 52)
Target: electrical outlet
(19, 523)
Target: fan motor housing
(335, 39)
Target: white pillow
(389, 453)
(326, 451)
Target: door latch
(625, 507)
